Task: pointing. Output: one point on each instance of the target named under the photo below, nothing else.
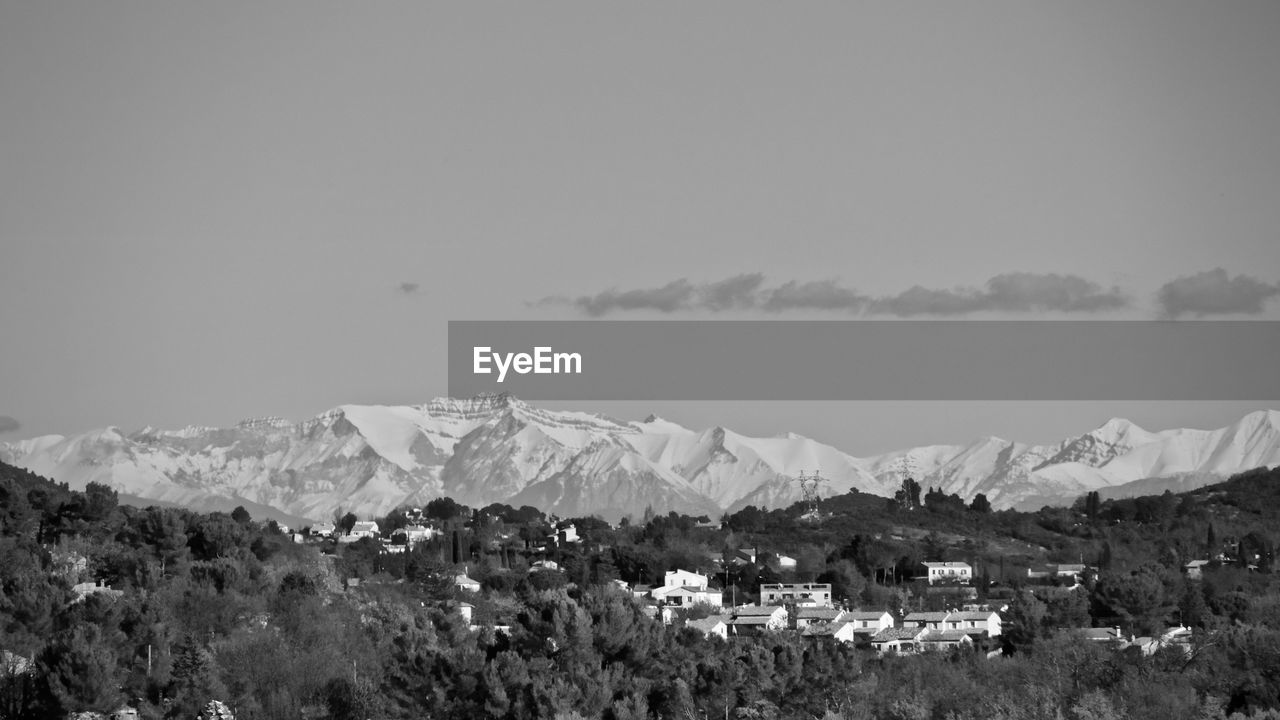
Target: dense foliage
(188, 607)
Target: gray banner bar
(869, 360)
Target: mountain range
(369, 459)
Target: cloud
(8, 424)
(814, 295)
(1026, 292)
(923, 301)
(675, 295)
(1009, 292)
(1214, 292)
(737, 292)
(408, 288)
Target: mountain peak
(1260, 419)
(482, 404)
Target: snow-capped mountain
(370, 459)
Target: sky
(225, 210)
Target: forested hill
(165, 610)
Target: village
(807, 609)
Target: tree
(351, 699)
(99, 501)
(908, 496)
(346, 522)
(194, 678)
(1026, 619)
(1138, 598)
(1092, 504)
(445, 509)
(80, 671)
(980, 504)
(1192, 606)
(241, 515)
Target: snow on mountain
(610, 479)
(727, 467)
(369, 459)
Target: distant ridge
(368, 459)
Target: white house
(687, 596)
(841, 631)
(745, 556)
(683, 578)
(544, 565)
(869, 622)
(806, 616)
(785, 562)
(753, 619)
(948, 572)
(85, 589)
(364, 529)
(417, 533)
(1073, 572)
(462, 582)
(797, 593)
(567, 534)
(984, 622)
(978, 623)
(1174, 637)
(712, 625)
(898, 639)
(683, 588)
(1195, 568)
(944, 639)
(466, 610)
(324, 529)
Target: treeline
(219, 606)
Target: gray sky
(220, 210)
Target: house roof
(898, 633)
(824, 629)
(757, 610)
(819, 613)
(1098, 633)
(693, 589)
(926, 617)
(973, 615)
(365, 526)
(867, 614)
(947, 564)
(751, 620)
(706, 624)
(464, 580)
(946, 636)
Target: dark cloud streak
(1009, 292)
(8, 424)
(1214, 292)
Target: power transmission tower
(809, 493)
(906, 467)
